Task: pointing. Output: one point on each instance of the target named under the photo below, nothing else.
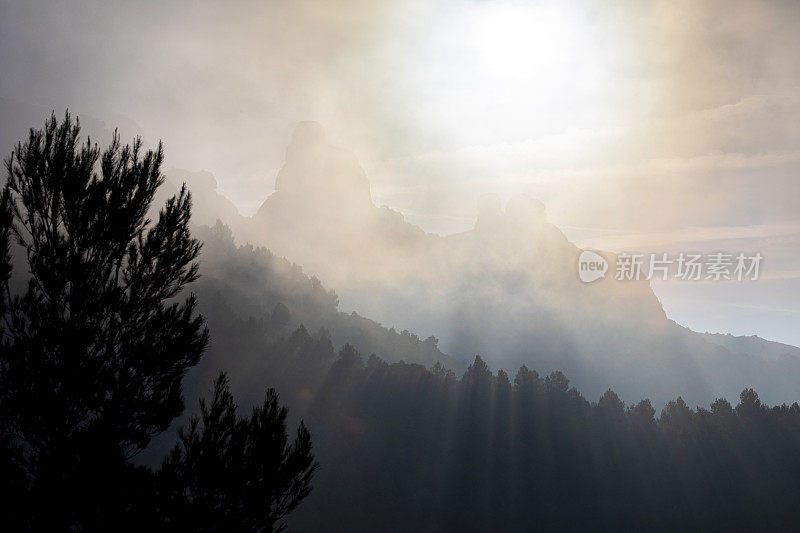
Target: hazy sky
(649, 126)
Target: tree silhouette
(236, 474)
(96, 345)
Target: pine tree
(96, 345)
(236, 474)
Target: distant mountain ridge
(754, 345)
(507, 289)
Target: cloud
(710, 236)
(639, 118)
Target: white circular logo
(591, 266)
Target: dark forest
(111, 319)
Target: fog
(624, 119)
(392, 198)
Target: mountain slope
(507, 289)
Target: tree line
(422, 449)
(98, 341)
(425, 446)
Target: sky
(661, 126)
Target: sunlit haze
(657, 126)
(400, 265)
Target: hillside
(507, 289)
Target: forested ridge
(102, 347)
(421, 445)
(280, 325)
(405, 447)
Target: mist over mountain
(754, 345)
(507, 289)
(392, 266)
(244, 288)
(415, 437)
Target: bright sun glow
(519, 71)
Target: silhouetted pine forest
(407, 448)
(99, 347)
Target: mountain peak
(521, 211)
(320, 175)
